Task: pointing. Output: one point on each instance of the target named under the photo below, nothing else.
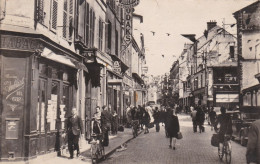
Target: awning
(49, 54)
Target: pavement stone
(194, 148)
(114, 142)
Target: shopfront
(38, 89)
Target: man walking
(105, 124)
(73, 127)
(194, 121)
(253, 145)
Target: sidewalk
(114, 143)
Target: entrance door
(41, 117)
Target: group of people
(102, 124)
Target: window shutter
(40, 11)
(94, 20)
(70, 20)
(87, 25)
(65, 17)
(46, 12)
(54, 15)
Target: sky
(179, 17)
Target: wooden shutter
(54, 9)
(65, 17)
(70, 20)
(93, 29)
(40, 11)
(87, 25)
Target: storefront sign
(13, 83)
(128, 27)
(117, 67)
(127, 3)
(12, 126)
(20, 43)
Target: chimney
(211, 24)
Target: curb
(114, 149)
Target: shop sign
(127, 3)
(128, 27)
(12, 126)
(117, 67)
(20, 43)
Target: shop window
(41, 108)
(52, 107)
(64, 106)
(43, 69)
(258, 98)
(254, 99)
(232, 51)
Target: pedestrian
(73, 127)
(167, 120)
(128, 116)
(156, 116)
(194, 121)
(225, 127)
(200, 118)
(173, 128)
(146, 121)
(96, 122)
(253, 145)
(114, 124)
(212, 117)
(105, 124)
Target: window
(116, 44)
(81, 21)
(109, 31)
(196, 83)
(92, 28)
(100, 34)
(201, 81)
(87, 25)
(67, 19)
(232, 51)
(47, 13)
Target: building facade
(249, 55)
(55, 56)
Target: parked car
(240, 125)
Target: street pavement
(115, 141)
(194, 148)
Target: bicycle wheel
(228, 154)
(93, 150)
(220, 155)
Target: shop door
(41, 117)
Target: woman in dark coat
(173, 128)
(146, 121)
(200, 117)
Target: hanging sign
(128, 27)
(117, 67)
(127, 3)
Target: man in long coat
(73, 127)
(253, 145)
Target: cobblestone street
(193, 148)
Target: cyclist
(225, 127)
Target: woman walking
(146, 121)
(173, 128)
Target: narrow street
(194, 148)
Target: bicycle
(97, 149)
(226, 150)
